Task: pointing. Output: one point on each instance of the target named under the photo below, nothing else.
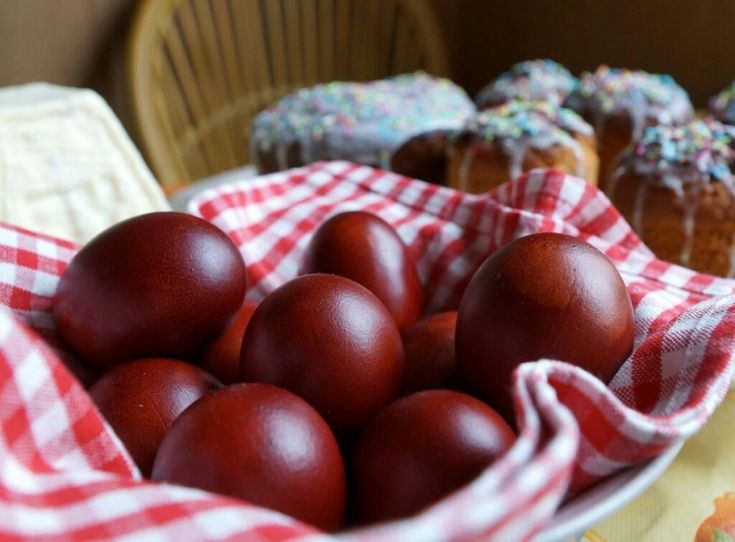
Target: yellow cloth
(675, 506)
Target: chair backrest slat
(327, 43)
(310, 30)
(343, 36)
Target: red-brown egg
(364, 248)
(330, 341)
(160, 284)
(421, 448)
(141, 399)
(222, 357)
(261, 444)
(545, 295)
(429, 348)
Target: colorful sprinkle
(518, 119)
(612, 90)
(704, 147)
(722, 106)
(530, 80)
(361, 121)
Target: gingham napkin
(64, 474)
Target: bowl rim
(584, 511)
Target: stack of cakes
(670, 175)
(620, 104)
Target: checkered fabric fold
(64, 474)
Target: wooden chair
(199, 70)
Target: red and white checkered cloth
(63, 473)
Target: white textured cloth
(67, 166)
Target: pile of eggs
(332, 400)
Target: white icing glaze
(530, 80)
(722, 105)
(638, 206)
(645, 98)
(681, 159)
(362, 122)
(516, 152)
(690, 200)
(465, 167)
(254, 154)
(282, 156)
(613, 184)
(517, 127)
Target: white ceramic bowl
(604, 499)
(574, 517)
(180, 199)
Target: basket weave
(199, 70)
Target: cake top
(363, 121)
(520, 119)
(701, 147)
(641, 95)
(722, 106)
(541, 79)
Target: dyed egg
(141, 399)
(364, 248)
(429, 348)
(160, 284)
(222, 357)
(261, 444)
(330, 341)
(546, 295)
(421, 448)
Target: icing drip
(518, 126)
(254, 154)
(682, 159)
(282, 156)
(530, 80)
(308, 142)
(579, 155)
(645, 97)
(722, 106)
(362, 122)
(465, 167)
(515, 151)
(690, 199)
(614, 182)
(640, 202)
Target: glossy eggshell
(429, 349)
(141, 399)
(160, 284)
(366, 249)
(421, 448)
(330, 341)
(261, 444)
(546, 295)
(222, 357)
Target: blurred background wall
(68, 42)
(81, 42)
